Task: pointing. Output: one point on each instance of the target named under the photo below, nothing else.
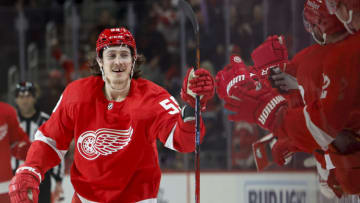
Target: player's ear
(99, 61)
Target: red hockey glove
(233, 73)
(199, 82)
(24, 186)
(269, 149)
(257, 103)
(282, 151)
(272, 53)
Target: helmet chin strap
(319, 41)
(347, 22)
(132, 68)
(102, 73)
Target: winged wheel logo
(104, 141)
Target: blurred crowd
(156, 26)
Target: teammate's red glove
(24, 186)
(199, 82)
(282, 151)
(270, 149)
(271, 53)
(257, 103)
(235, 72)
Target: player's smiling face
(116, 63)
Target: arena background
(51, 43)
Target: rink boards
(234, 187)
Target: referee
(31, 119)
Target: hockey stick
(189, 12)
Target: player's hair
(140, 60)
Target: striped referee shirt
(30, 126)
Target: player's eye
(124, 54)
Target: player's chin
(119, 76)
(119, 79)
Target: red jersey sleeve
(16, 133)
(53, 138)
(19, 140)
(169, 127)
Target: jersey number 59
(170, 105)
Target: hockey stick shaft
(192, 17)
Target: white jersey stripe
(329, 164)
(4, 187)
(322, 138)
(52, 143)
(170, 140)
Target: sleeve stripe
(319, 135)
(52, 143)
(4, 187)
(170, 140)
(329, 164)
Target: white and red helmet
(351, 5)
(317, 20)
(115, 36)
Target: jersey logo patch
(3, 131)
(104, 141)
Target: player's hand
(256, 103)
(234, 73)
(282, 81)
(346, 142)
(24, 186)
(199, 82)
(270, 54)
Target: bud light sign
(275, 191)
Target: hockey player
(311, 127)
(13, 141)
(341, 67)
(30, 120)
(115, 118)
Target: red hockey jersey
(12, 141)
(115, 158)
(296, 122)
(328, 79)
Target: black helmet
(25, 87)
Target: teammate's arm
(48, 149)
(19, 140)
